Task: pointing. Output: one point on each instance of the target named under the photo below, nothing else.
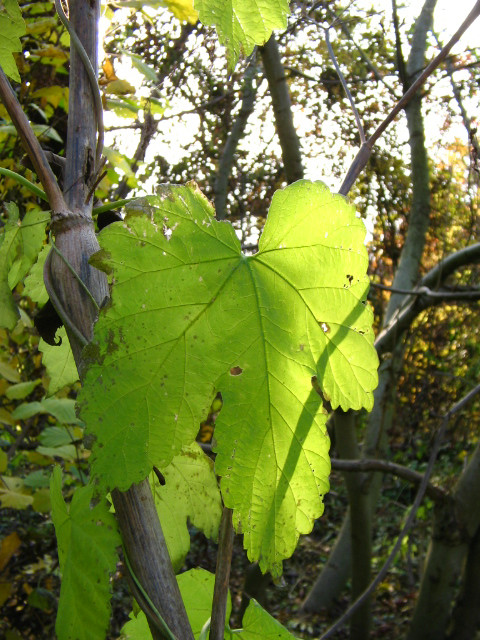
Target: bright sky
(447, 18)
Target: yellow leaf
(183, 10)
(3, 461)
(120, 87)
(10, 545)
(13, 493)
(50, 52)
(109, 72)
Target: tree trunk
(455, 526)
(347, 447)
(282, 109)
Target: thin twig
(411, 516)
(470, 294)
(345, 86)
(365, 150)
(372, 464)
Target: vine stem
(31, 145)
(410, 519)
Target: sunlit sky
(175, 133)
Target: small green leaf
(21, 390)
(9, 373)
(40, 130)
(3, 461)
(41, 501)
(87, 536)
(22, 242)
(258, 624)
(63, 409)
(65, 452)
(34, 285)
(242, 24)
(12, 27)
(145, 69)
(59, 362)
(190, 493)
(55, 437)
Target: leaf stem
(222, 576)
(156, 617)
(24, 182)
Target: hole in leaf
(349, 278)
(325, 327)
(236, 371)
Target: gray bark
(455, 526)
(360, 516)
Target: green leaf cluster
(20, 245)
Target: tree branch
(226, 160)
(413, 305)
(31, 145)
(282, 108)
(365, 150)
(222, 576)
(437, 494)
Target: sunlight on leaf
(190, 492)
(12, 27)
(191, 315)
(241, 24)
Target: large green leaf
(22, 241)
(12, 27)
(87, 537)
(190, 315)
(190, 493)
(241, 24)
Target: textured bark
(419, 218)
(454, 530)
(282, 109)
(466, 616)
